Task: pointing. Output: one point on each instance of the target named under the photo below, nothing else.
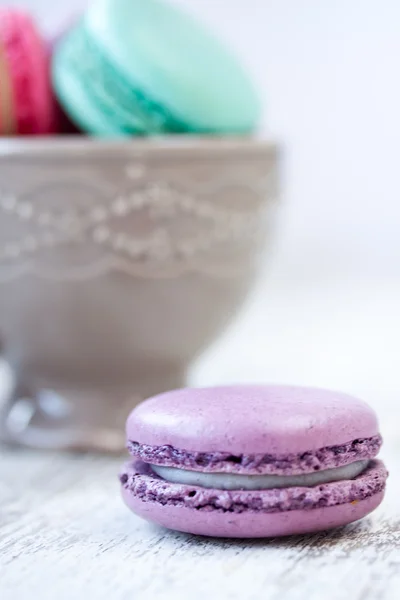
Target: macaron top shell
(175, 62)
(278, 420)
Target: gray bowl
(119, 263)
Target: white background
(328, 313)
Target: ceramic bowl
(119, 263)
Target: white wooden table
(65, 534)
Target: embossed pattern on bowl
(119, 263)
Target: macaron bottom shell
(251, 524)
(174, 506)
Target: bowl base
(74, 417)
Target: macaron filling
(7, 116)
(232, 481)
(142, 484)
(126, 106)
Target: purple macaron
(253, 461)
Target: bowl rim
(171, 146)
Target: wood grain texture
(66, 534)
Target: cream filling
(233, 481)
(7, 116)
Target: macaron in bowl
(26, 99)
(131, 67)
(253, 461)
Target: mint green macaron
(144, 67)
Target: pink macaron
(253, 461)
(26, 100)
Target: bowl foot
(71, 417)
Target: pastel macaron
(26, 99)
(253, 461)
(131, 67)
